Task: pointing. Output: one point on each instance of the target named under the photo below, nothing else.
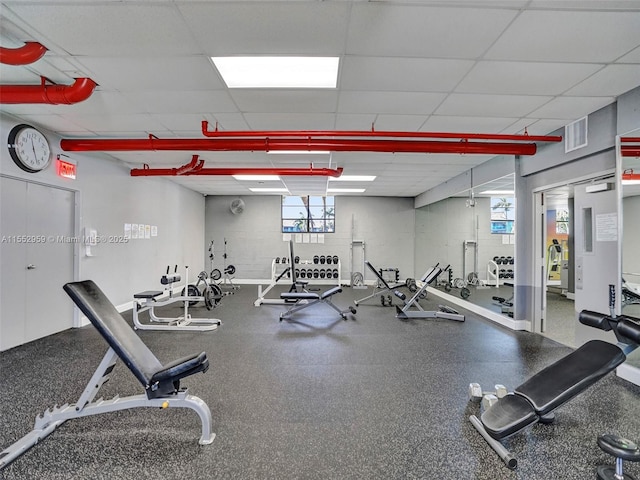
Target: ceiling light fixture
(497, 192)
(345, 190)
(257, 178)
(278, 72)
(269, 190)
(354, 178)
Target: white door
(596, 254)
(36, 254)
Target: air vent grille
(575, 135)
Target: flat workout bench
(161, 383)
(536, 399)
(306, 299)
(381, 287)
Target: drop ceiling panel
(491, 105)
(115, 124)
(535, 126)
(378, 29)
(613, 80)
(568, 36)
(113, 29)
(389, 102)
(571, 108)
(250, 28)
(463, 124)
(402, 74)
(632, 57)
(525, 78)
(285, 101)
(292, 121)
(184, 101)
(153, 73)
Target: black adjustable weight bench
(306, 299)
(161, 383)
(536, 399)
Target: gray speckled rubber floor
(314, 398)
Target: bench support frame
(51, 419)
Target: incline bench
(161, 383)
(382, 286)
(413, 309)
(306, 299)
(536, 399)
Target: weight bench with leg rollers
(161, 383)
(306, 299)
(413, 309)
(536, 399)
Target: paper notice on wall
(305, 238)
(127, 230)
(313, 238)
(134, 230)
(141, 230)
(298, 238)
(147, 231)
(321, 238)
(607, 227)
(286, 237)
(154, 230)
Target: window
(562, 221)
(308, 214)
(502, 215)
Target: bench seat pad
(299, 296)
(509, 415)
(331, 291)
(182, 368)
(563, 380)
(148, 294)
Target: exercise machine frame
(147, 301)
(412, 307)
(161, 382)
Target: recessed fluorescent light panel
(269, 190)
(278, 72)
(345, 190)
(353, 178)
(497, 192)
(257, 178)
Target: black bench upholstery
(157, 379)
(551, 387)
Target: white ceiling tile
(423, 31)
(293, 121)
(402, 74)
(524, 78)
(399, 123)
(613, 80)
(535, 126)
(111, 29)
(568, 36)
(294, 28)
(414, 103)
(184, 101)
(153, 73)
(347, 121)
(571, 108)
(591, 5)
(460, 104)
(103, 124)
(632, 57)
(445, 123)
(285, 101)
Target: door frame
(76, 229)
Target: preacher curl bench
(536, 399)
(161, 383)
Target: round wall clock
(29, 148)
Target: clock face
(29, 148)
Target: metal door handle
(31, 266)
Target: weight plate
(193, 292)
(215, 274)
(465, 292)
(230, 270)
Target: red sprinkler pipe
(630, 150)
(373, 133)
(79, 91)
(195, 168)
(28, 53)
(300, 144)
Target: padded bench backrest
(431, 274)
(116, 331)
(377, 274)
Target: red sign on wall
(65, 169)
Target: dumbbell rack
(500, 269)
(312, 271)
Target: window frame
(327, 218)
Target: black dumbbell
(316, 274)
(277, 259)
(296, 259)
(316, 259)
(335, 259)
(322, 273)
(329, 259)
(621, 449)
(322, 259)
